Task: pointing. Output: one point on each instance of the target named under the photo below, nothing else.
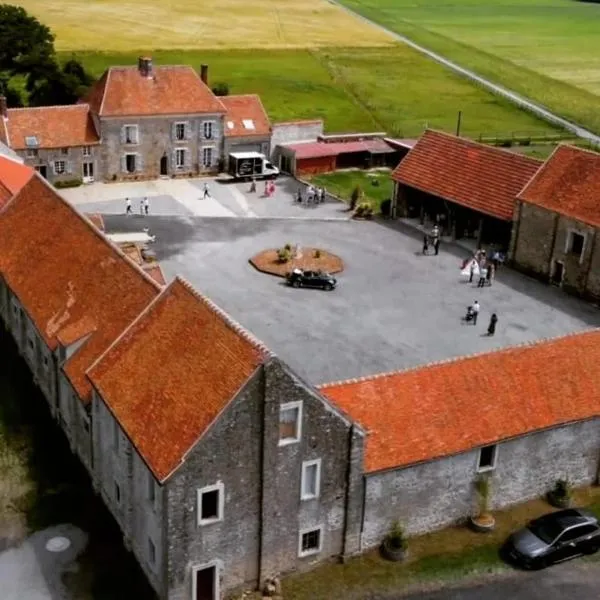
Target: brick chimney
(204, 73)
(145, 66)
(3, 107)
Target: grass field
(114, 25)
(391, 89)
(544, 49)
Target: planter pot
(482, 524)
(558, 501)
(391, 553)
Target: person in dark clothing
(436, 245)
(425, 244)
(492, 326)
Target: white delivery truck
(251, 165)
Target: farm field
(542, 49)
(392, 89)
(114, 25)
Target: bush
(317, 253)
(284, 255)
(396, 538)
(364, 210)
(355, 197)
(68, 183)
(386, 207)
(221, 89)
(562, 489)
(288, 247)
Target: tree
(221, 89)
(12, 95)
(25, 41)
(356, 196)
(51, 85)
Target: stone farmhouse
(138, 122)
(221, 466)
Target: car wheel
(538, 565)
(328, 287)
(296, 284)
(591, 550)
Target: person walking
(146, 206)
(206, 191)
(128, 210)
(476, 309)
(299, 196)
(482, 277)
(253, 186)
(492, 326)
(490, 273)
(425, 244)
(472, 270)
(436, 245)
(142, 207)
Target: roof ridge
(104, 89)
(228, 319)
(61, 106)
(576, 148)
(486, 146)
(454, 359)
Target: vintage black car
(314, 279)
(553, 538)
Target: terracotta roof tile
(165, 393)
(569, 184)
(173, 90)
(455, 406)
(155, 272)
(480, 177)
(14, 174)
(68, 275)
(75, 330)
(96, 219)
(53, 126)
(247, 108)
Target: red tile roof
(96, 219)
(247, 108)
(70, 279)
(318, 149)
(155, 272)
(569, 184)
(13, 176)
(448, 408)
(165, 393)
(173, 90)
(480, 177)
(53, 126)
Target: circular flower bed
(310, 259)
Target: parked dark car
(553, 538)
(314, 279)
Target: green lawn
(377, 186)
(543, 49)
(391, 89)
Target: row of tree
(27, 54)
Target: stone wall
(73, 159)
(156, 138)
(439, 493)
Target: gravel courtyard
(393, 307)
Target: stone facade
(148, 147)
(439, 493)
(65, 164)
(556, 248)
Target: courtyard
(393, 308)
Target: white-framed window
(117, 493)
(211, 504)
(207, 156)
(575, 244)
(290, 423)
(151, 488)
(310, 541)
(64, 151)
(151, 552)
(486, 460)
(180, 132)
(180, 158)
(60, 166)
(87, 150)
(131, 163)
(208, 130)
(130, 134)
(310, 486)
(32, 152)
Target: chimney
(145, 66)
(204, 73)
(3, 107)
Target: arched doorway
(164, 165)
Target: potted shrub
(363, 211)
(284, 255)
(355, 197)
(394, 546)
(483, 521)
(560, 495)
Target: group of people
(434, 239)
(480, 267)
(314, 195)
(269, 188)
(144, 206)
(473, 314)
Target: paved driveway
(394, 308)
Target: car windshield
(546, 529)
